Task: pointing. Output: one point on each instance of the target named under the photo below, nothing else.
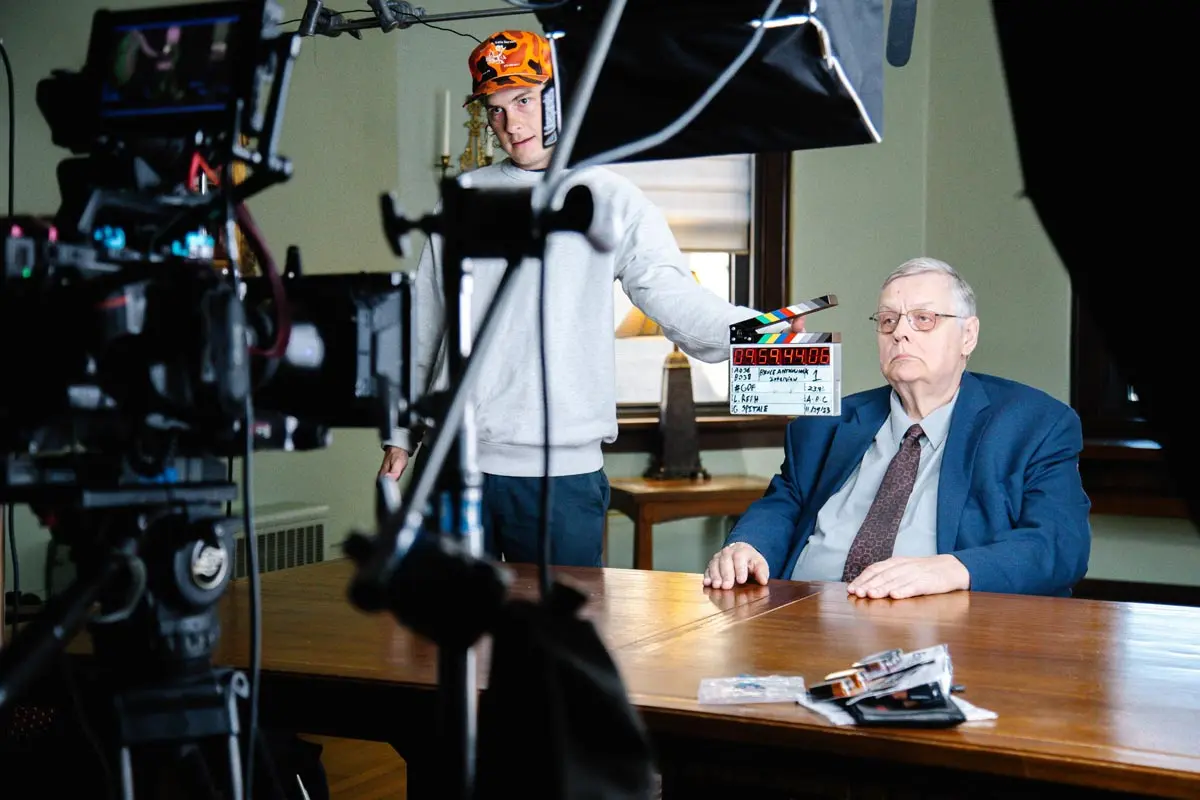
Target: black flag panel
(1099, 94)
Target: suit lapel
(958, 461)
(850, 441)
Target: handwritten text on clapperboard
(791, 390)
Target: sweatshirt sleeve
(430, 313)
(654, 274)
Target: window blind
(706, 200)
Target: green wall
(361, 119)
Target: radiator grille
(289, 535)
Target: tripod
(155, 560)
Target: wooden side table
(648, 501)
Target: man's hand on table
(905, 576)
(734, 565)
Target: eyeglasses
(918, 320)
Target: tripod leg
(235, 769)
(126, 762)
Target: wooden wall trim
(770, 227)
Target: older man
(943, 480)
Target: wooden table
(1090, 695)
(647, 502)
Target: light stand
(404, 556)
(512, 225)
(459, 510)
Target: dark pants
(512, 514)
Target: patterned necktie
(877, 536)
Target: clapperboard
(795, 374)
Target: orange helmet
(507, 59)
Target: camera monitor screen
(165, 70)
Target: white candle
(445, 122)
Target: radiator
(289, 535)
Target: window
(706, 200)
(730, 217)
(641, 348)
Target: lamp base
(677, 455)
(660, 472)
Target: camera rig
(139, 358)
(151, 358)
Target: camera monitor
(164, 71)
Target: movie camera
(149, 354)
(141, 353)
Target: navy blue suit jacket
(1010, 506)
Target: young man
(508, 71)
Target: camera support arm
(389, 15)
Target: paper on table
(827, 709)
(972, 712)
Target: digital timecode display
(780, 356)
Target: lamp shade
(636, 323)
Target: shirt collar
(936, 426)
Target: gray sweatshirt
(580, 345)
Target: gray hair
(964, 295)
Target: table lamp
(677, 447)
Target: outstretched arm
(653, 272)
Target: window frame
(761, 280)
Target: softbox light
(815, 80)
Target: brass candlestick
(476, 154)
